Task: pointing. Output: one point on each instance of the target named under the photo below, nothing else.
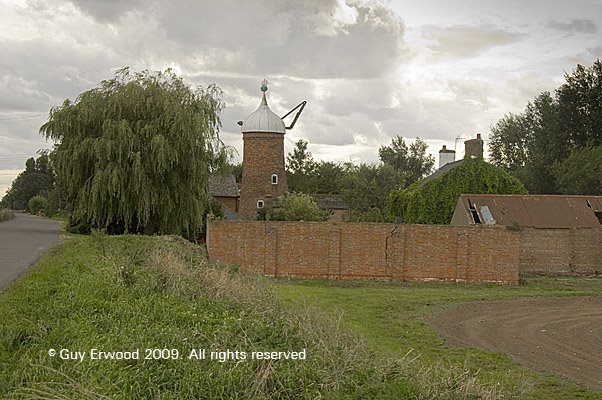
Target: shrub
(37, 204)
(301, 207)
(6, 214)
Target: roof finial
(264, 85)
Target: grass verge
(128, 293)
(6, 214)
(392, 317)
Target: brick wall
(230, 202)
(364, 250)
(561, 251)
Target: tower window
(260, 204)
(274, 179)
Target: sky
(369, 70)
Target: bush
(301, 207)
(6, 214)
(37, 204)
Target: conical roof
(263, 119)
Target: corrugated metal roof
(538, 211)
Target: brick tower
(263, 174)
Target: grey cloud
(300, 39)
(464, 41)
(108, 10)
(586, 26)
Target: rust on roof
(538, 211)
(222, 186)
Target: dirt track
(559, 335)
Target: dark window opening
(474, 213)
(274, 179)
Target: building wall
(367, 251)
(561, 251)
(263, 155)
(230, 202)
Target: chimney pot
(478, 135)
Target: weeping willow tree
(134, 154)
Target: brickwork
(263, 155)
(230, 202)
(561, 251)
(367, 251)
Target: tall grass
(6, 214)
(131, 292)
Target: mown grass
(130, 292)
(393, 317)
(6, 214)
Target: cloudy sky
(370, 70)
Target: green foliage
(372, 214)
(121, 293)
(216, 208)
(300, 169)
(233, 169)
(6, 214)
(366, 187)
(301, 207)
(434, 201)
(535, 144)
(413, 163)
(37, 204)
(38, 178)
(135, 153)
(391, 316)
(580, 172)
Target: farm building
(533, 211)
(224, 189)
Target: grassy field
(393, 318)
(128, 293)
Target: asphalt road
(23, 240)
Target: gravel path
(23, 240)
(562, 335)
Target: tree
(533, 144)
(581, 172)
(365, 188)
(301, 207)
(38, 178)
(412, 162)
(433, 201)
(135, 153)
(234, 169)
(300, 168)
(326, 177)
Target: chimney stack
(473, 148)
(446, 156)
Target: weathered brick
(368, 251)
